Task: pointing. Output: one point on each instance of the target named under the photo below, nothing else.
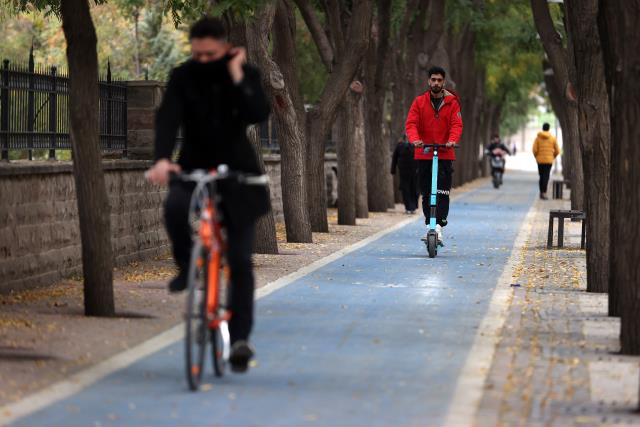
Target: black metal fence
(269, 139)
(34, 111)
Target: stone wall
(39, 233)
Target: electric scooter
(431, 241)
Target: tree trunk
(564, 73)
(266, 241)
(321, 118)
(595, 132)
(621, 42)
(93, 203)
(347, 158)
(560, 109)
(379, 183)
(362, 205)
(255, 34)
(288, 112)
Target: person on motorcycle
(497, 150)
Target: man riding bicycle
(434, 118)
(213, 97)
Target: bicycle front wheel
(197, 333)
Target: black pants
(445, 173)
(544, 170)
(240, 246)
(409, 190)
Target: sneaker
(241, 353)
(440, 235)
(407, 212)
(178, 283)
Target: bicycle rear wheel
(196, 317)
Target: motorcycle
(497, 162)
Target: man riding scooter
(497, 151)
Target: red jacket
(426, 124)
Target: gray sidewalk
(557, 362)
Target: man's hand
(418, 143)
(159, 172)
(238, 59)
(450, 144)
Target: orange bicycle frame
(211, 237)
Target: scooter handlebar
(439, 146)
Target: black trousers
(409, 190)
(240, 247)
(544, 170)
(445, 174)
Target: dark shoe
(543, 196)
(178, 283)
(241, 354)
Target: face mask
(212, 69)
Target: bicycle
(431, 241)
(207, 315)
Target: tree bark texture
(463, 68)
(93, 202)
(266, 241)
(621, 41)
(379, 183)
(362, 204)
(255, 35)
(595, 137)
(347, 160)
(288, 111)
(399, 69)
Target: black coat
(214, 114)
(403, 159)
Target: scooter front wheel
(432, 244)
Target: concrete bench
(562, 215)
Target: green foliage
(190, 10)
(160, 45)
(507, 47)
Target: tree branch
(384, 30)
(317, 32)
(339, 80)
(552, 43)
(335, 26)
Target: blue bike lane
(375, 338)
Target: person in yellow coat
(545, 149)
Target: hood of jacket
(544, 134)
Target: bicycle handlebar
(204, 176)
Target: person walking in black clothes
(403, 160)
(214, 96)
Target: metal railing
(269, 139)
(34, 111)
